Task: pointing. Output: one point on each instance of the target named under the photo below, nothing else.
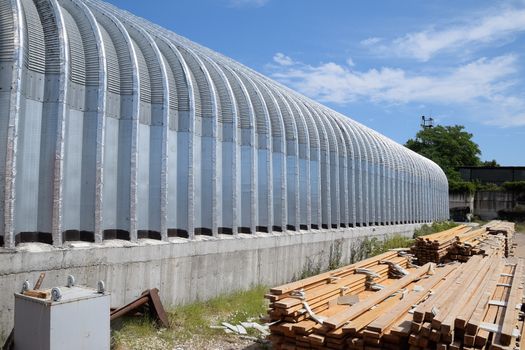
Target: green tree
(491, 163)
(448, 146)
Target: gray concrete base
(183, 270)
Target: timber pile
(456, 306)
(311, 313)
(462, 242)
(297, 301)
(475, 308)
(472, 242)
(385, 302)
(434, 248)
(504, 228)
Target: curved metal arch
(205, 127)
(7, 210)
(349, 178)
(364, 157)
(226, 129)
(340, 155)
(159, 105)
(325, 158)
(315, 212)
(379, 178)
(181, 142)
(419, 188)
(413, 188)
(291, 164)
(245, 130)
(385, 179)
(101, 83)
(129, 82)
(56, 62)
(277, 157)
(391, 175)
(357, 156)
(373, 167)
(303, 185)
(264, 146)
(432, 181)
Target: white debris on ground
(241, 329)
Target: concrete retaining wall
(183, 270)
(484, 204)
(488, 203)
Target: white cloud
(483, 83)
(282, 59)
(371, 41)
(423, 45)
(248, 3)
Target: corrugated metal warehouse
(113, 127)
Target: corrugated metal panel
(76, 50)
(112, 63)
(224, 103)
(35, 56)
(7, 32)
(258, 105)
(83, 51)
(242, 103)
(204, 90)
(145, 81)
(181, 100)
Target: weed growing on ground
(336, 254)
(520, 227)
(435, 227)
(311, 267)
(192, 321)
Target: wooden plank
(444, 319)
(40, 294)
(510, 316)
(489, 285)
(381, 323)
(322, 278)
(359, 308)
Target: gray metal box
(79, 320)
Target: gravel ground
(197, 343)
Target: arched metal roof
(113, 127)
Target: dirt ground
(519, 239)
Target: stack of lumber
(470, 305)
(434, 248)
(505, 228)
(462, 242)
(471, 243)
(311, 313)
(297, 301)
(475, 308)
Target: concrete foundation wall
(484, 204)
(183, 270)
(488, 203)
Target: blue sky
(382, 63)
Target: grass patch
(377, 246)
(193, 321)
(196, 319)
(520, 227)
(435, 227)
